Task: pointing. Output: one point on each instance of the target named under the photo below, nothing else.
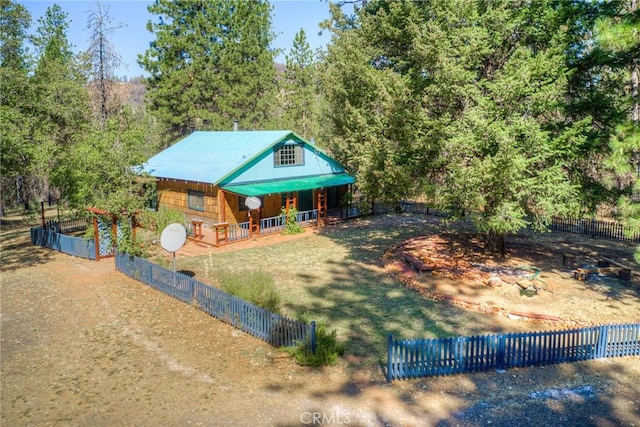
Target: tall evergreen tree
(462, 101)
(619, 42)
(210, 64)
(301, 99)
(61, 104)
(14, 102)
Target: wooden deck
(225, 233)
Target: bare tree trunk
(104, 58)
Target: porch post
(222, 214)
(259, 219)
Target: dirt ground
(84, 345)
(532, 282)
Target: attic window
(289, 155)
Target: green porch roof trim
(290, 185)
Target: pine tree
(14, 103)
(210, 64)
(301, 99)
(618, 39)
(461, 101)
(61, 104)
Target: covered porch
(260, 208)
(225, 233)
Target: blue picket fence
(76, 246)
(273, 328)
(446, 356)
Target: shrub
(291, 225)
(125, 242)
(256, 287)
(158, 221)
(327, 349)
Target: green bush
(327, 349)
(158, 221)
(291, 225)
(256, 287)
(128, 245)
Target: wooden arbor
(104, 234)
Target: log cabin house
(209, 176)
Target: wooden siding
(174, 195)
(272, 205)
(233, 215)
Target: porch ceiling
(289, 185)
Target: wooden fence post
(96, 237)
(42, 213)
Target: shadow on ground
(17, 251)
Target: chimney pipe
(235, 125)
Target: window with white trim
(289, 155)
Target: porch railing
(271, 225)
(238, 231)
(307, 218)
(274, 224)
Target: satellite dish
(252, 202)
(173, 237)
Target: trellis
(106, 226)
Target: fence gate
(104, 228)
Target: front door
(305, 200)
(333, 198)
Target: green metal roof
(210, 156)
(289, 185)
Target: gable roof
(211, 156)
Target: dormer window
(289, 155)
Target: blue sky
(133, 38)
